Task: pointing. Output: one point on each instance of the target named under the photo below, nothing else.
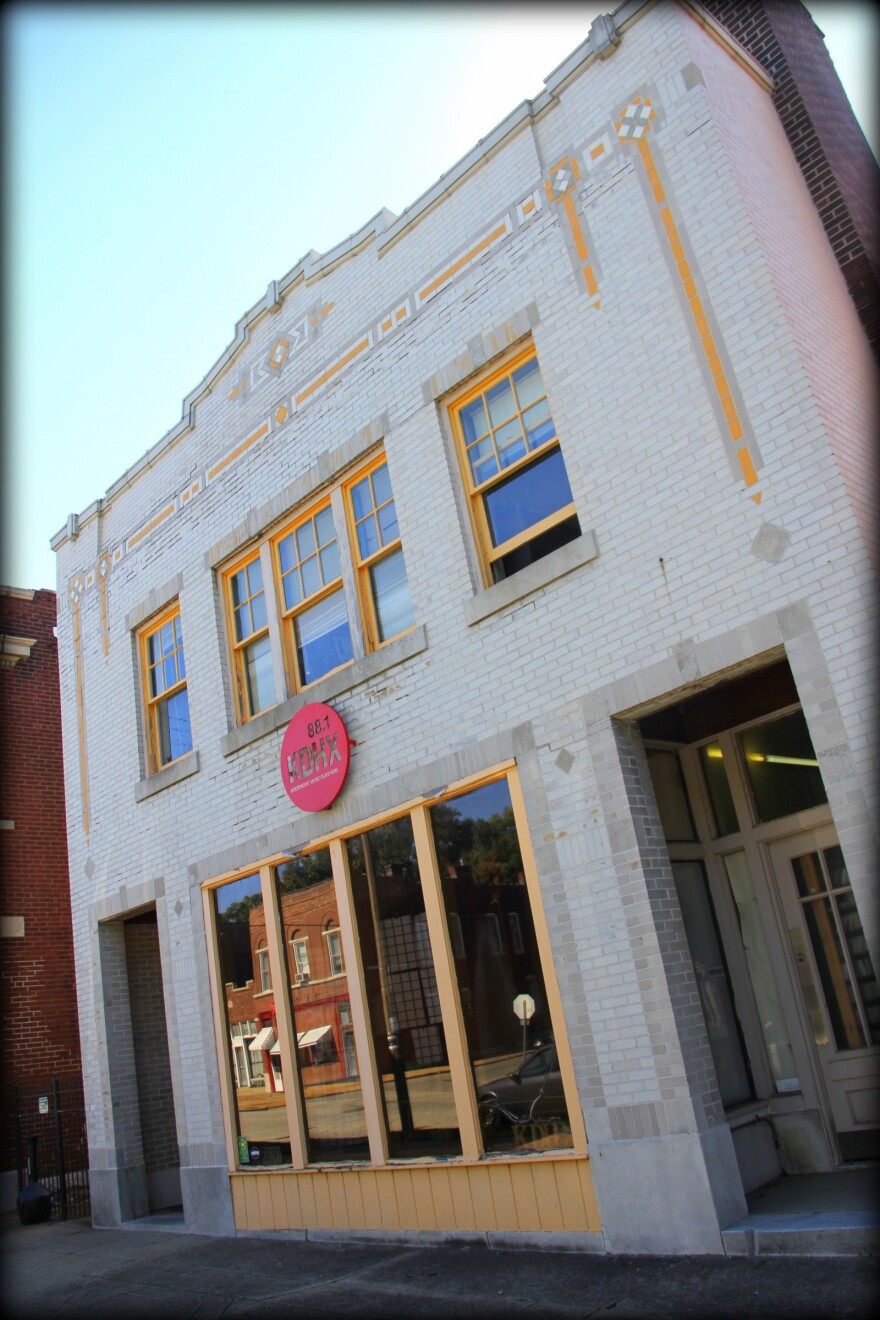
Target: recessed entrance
(788, 991)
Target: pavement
(154, 1268)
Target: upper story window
(334, 952)
(292, 591)
(165, 695)
(514, 473)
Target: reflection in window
(332, 1099)
(782, 767)
(251, 1028)
(715, 775)
(401, 993)
(484, 891)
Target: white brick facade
(679, 580)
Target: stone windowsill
(544, 571)
(326, 689)
(180, 769)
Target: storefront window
(332, 1101)
(497, 965)
(251, 1027)
(401, 993)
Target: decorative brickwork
(830, 148)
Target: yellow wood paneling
(424, 1201)
(323, 1208)
(526, 1196)
(338, 1204)
(351, 1186)
(388, 1199)
(292, 1187)
(406, 1201)
(550, 1216)
(481, 1197)
(571, 1198)
(525, 1199)
(462, 1201)
(279, 1202)
(502, 1198)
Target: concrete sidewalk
(80, 1273)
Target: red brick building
(40, 1039)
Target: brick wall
(41, 1033)
(830, 148)
(150, 1035)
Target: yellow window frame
(477, 491)
(152, 704)
(287, 615)
(238, 648)
(364, 564)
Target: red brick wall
(830, 148)
(41, 1033)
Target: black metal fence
(55, 1114)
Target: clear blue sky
(164, 163)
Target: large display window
(400, 986)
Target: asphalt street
(81, 1273)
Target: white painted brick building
(635, 628)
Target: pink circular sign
(315, 755)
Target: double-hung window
(514, 473)
(338, 590)
(165, 694)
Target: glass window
(521, 1104)
(251, 649)
(308, 600)
(334, 952)
(521, 499)
(379, 556)
(332, 1099)
(782, 767)
(715, 775)
(166, 698)
(673, 803)
(260, 1113)
(710, 970)
(401, 993)
(760, 965)
(301, 966)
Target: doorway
(788, 992)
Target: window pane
(716, 996)
(259, 678)
(331, 1091)
(528, 382)
(474, 421)
(401, 993)
(382, 484)
(760, 966)
(329, 558)
(172, 716)
(305, 540)
(500, 402)
(260, 1114)
(324, 526)
(834, 975)
(484, 891)
(322, 637)
(539, 425)
(671, 794)
(258, 612)
(287, 553)
(368, 537)
(388, 524)
(863, 969)
(782, 767)
(391, 595)
(527, 497)
(715, 775)
(511, 445)
(483, 462)
(362, 498)
(311, 577)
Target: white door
(838, 988)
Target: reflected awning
(264, 1041)
(311, 1037)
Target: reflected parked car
(532, 1091)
